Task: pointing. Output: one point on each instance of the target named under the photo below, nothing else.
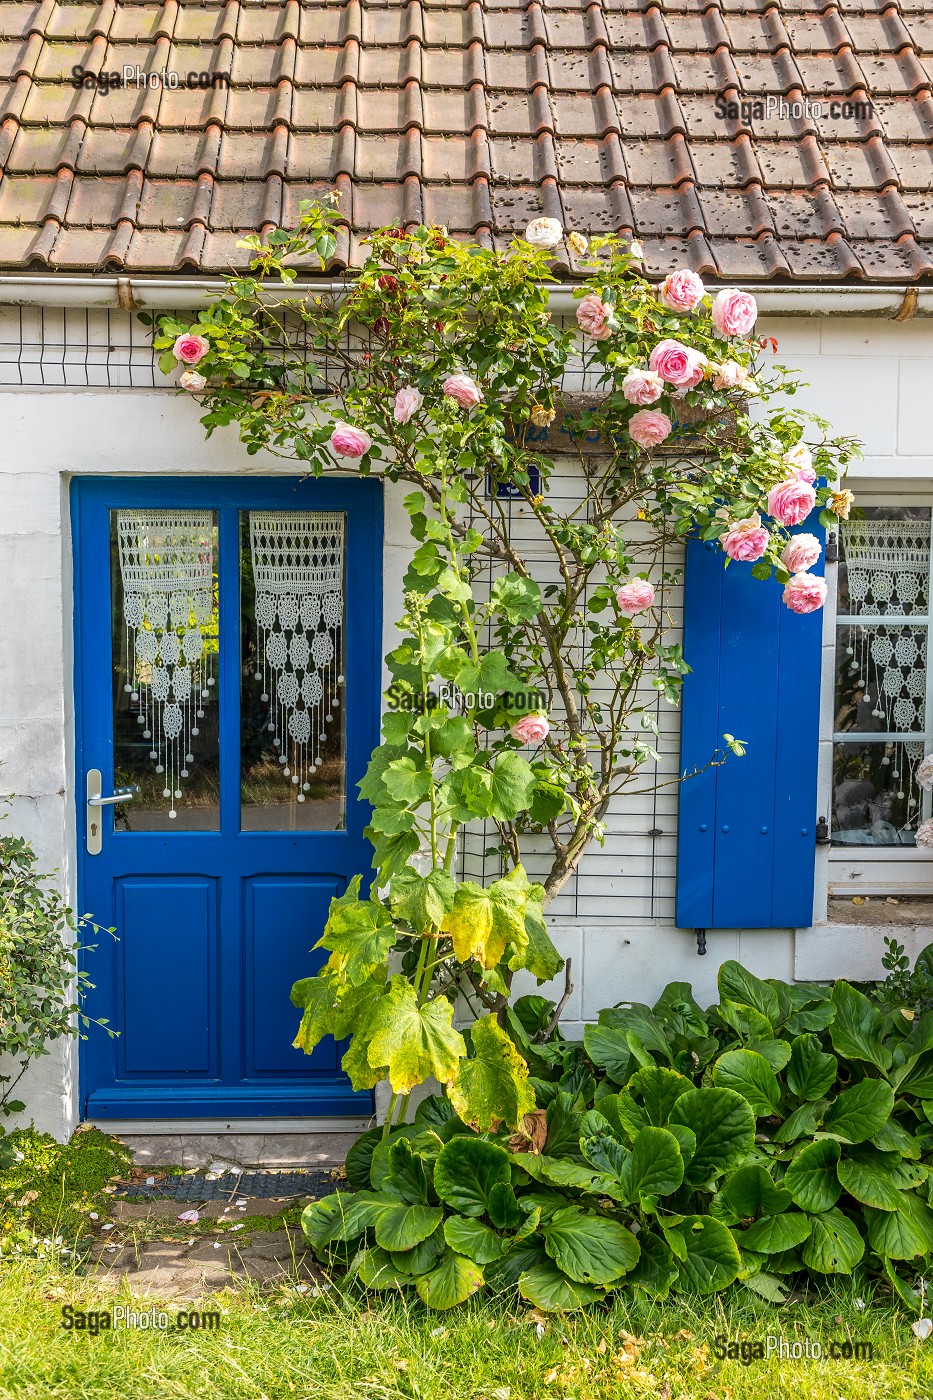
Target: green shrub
(50, 1188)
(784, 1133)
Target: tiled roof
(476, 114)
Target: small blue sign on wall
(508, 491)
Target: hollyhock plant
(800, 553)
(347, 441)
(191, 348)
(593, 317)
(463, 390)
(734, 312)
(677, 364)
(790, 502)
(531, 729)
(746, 540)
(649, 428)
(407, 402)
(635, 596)
(642, 386)
(682, 291)
(805, 593)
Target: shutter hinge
(832, 547)
(822, 832)
(701, 942)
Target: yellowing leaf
(413, 1041)
(483, 921)
(492, 1087)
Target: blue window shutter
(747, 829)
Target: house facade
(788, 151)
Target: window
(883, 709)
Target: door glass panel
(165, 642)
(292, 766)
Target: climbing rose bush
(524, 686)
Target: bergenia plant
(527, 702)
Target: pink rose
(746, 540)
(805, 593)
(801, 553)
(190, 348)
(348, 441)
(682, 291)
(790, 502)
(635, 596)
(677, 364)
(649, 427)
(800, 461)
(530, 729)
(465, 390)
(192, 381)
(592, 315)
(734, 312)
(407, 403)
(642, 386)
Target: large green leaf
(649, 1097)
(835, 1245)
(422, 900)
(640, 1021)
(318, 998)
(401, 1226)
(450, 1282)
(540, 957)
(604, 1151)
(860, 1112)
(588, 1247)
(656, 1269)
(474, 1239)
(736, 983)
(775, 1233)
(547, 1288)
(748, 1191)
(492, 1086)
(655, 1167)
(516, 596)
(874, 1178)
(358, 934)
(414, 1042)
(750, 1075)
(811, 1177)
(466, 1170)
(903, 1233)
(916, 1076)
(894, 1137)
(503, 1207)
(857, 1028)
(609, 1050)
(804, 1121)
(422, 1258)
(359, 1157)
(711, 1259)
(724, 1127)
(776, 1052)
(513, 783)
(323, 1221)
(484, 919)
(562, 1172)
(375, 1269)
(810, 1072)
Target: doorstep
(183, 1148)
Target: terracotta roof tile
(608, 114)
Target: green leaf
(776, 1052)
(484, 919)
(737, 984)
(422, 1258)
(422, 900)
(903, 1233)
(503, 1207)
(767, 1287)
(405, 782)
(451, 1282)
(871, 1177)
(358, 934)
(656, 1269)
(658, 1090)
(609, 1050)
(413, 1041)
(540, 957)
(811, 1177)
(605, 1152)
(724, 1127)
(803, 1122)
(711, 1259)
(490, 675)
(835, 1245)
(324, 1221)
(466, 1170)
(474, 1239)
(860, 1112)
(857, 1029)
(775, 1233)
(749, 1191)
(561, 1172)
(589, 1248)
(810, 1073)
(750, 1075)
(359, 1158)
(516, 596)
(513, 782)
(893, 1137)
(547, 1288)
(375, 1269)
(401, 1226)
(492, 1087)
(655, 1167)
(318, 996)
(548, 800)
(641, 1021)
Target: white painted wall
(871, 378)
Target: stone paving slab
(181, 1272)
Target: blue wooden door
(227, 668)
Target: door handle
(94, 801)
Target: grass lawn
(334, 1347)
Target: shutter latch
(822, 832)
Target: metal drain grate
(270, 1184)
